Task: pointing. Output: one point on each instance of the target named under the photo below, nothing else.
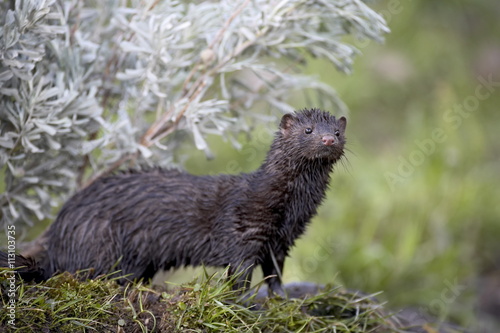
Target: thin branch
(154, 131)
(216, 40)
(160, 135)
(221, 32)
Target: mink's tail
(25, 267)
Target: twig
(160, 135)
(153, 132)
(228, 22)
(215, 41)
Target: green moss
(66, 304)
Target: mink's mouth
(332, 153)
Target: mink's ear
(286, 122)
(342, 123)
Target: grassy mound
(64, 303)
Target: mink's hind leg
(272, 267)
(136, 273)
(149, 273)
(243, 273)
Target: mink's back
(155, 219)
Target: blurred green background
(415, 212)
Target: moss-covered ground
(65, 303)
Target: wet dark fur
(158, 219)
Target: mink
(140, 222)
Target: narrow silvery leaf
(131, 47)
(53, 144)
(13, 211)
(146, 152)
(6, 143)
(198, 138)
(29, 146)
(27, 202)
(45, 127)
(89, 146)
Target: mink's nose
(328, 140)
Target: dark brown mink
(140, 222)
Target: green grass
(208, 304)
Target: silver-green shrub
(87, 87)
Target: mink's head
(313, 134)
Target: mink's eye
(308, 130)
(337, 133)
